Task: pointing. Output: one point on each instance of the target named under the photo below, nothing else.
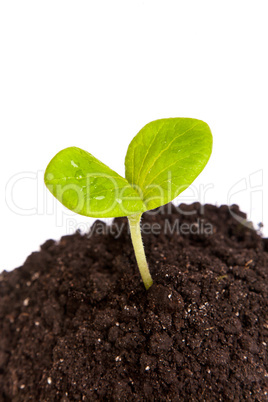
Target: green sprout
(162, 160)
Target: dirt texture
(78, 325)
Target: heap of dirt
(78, 325)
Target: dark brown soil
(78, 325)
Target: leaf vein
(148, 149)
(164, 150)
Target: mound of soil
(78, 325)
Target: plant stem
(135, 231)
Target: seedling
(162, 160)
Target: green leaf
(88, 187)
(165, 157)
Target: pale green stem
(135, 231)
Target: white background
(93, 73)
